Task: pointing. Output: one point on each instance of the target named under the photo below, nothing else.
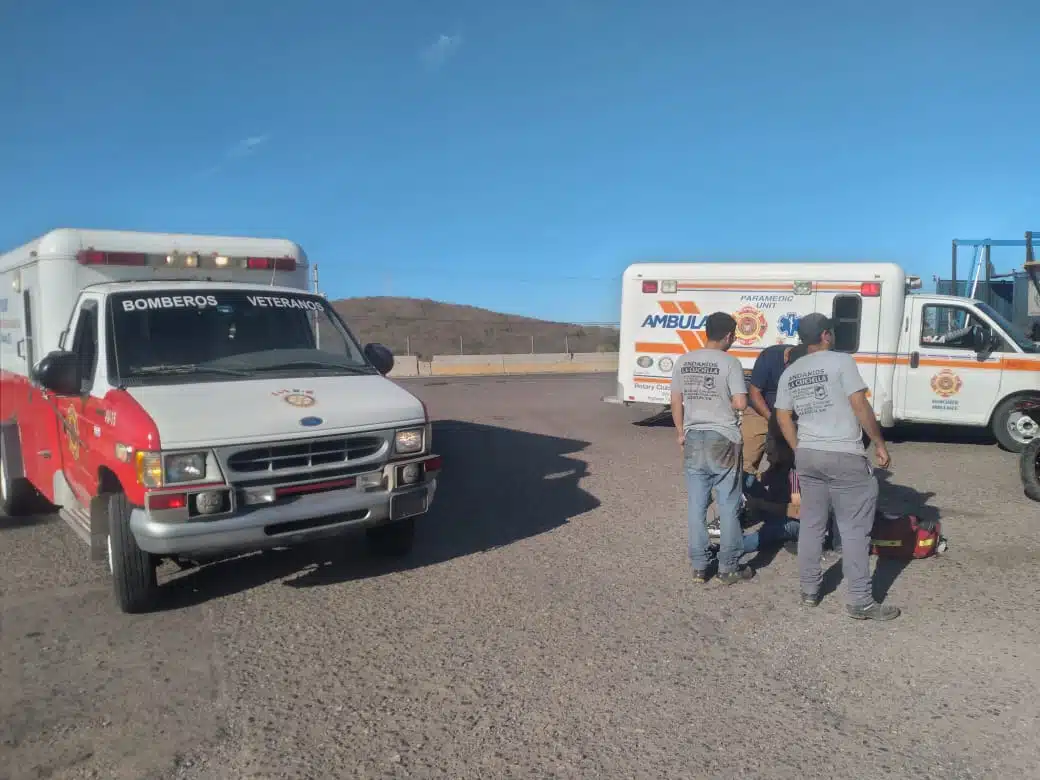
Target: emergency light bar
(189, 260)
(92, 257)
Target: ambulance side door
(75, 412)
(946, 380)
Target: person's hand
(681, 438)
(881, 455)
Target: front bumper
(299, 519)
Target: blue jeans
(710, 460)
(774, 530)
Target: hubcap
(1022, 427)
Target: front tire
(392, 540)
(133, 570)
(1012, 427)
(16, 493)
(1029, 465)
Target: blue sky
(517, 155)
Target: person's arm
(868, 421)
(758, 401)
(783, 409)
(677, 417)
(785, 419)
(856, 389)
(759, 378)
(736, 385)
(677, 404)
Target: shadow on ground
(894, 498)
(498, 486)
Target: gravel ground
(546, 626)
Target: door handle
(915, 359)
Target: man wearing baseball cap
(826, 391)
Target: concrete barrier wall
(405, 365)
(479, 365)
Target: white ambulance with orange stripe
(187, 397)
(926, 358)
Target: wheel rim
(3, 483)
(110, 569)
(1022, 428)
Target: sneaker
(742, 574)
(874, 611)
(791, 546)
(810, 599)
(700, 575)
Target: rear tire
(1029, 465)
(1007, 430)
(133, 570)
(392, 540)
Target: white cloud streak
(437, 54)
(237, 151)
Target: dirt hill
(425, 328)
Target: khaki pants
(753, 429)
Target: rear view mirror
(380, 357)
(59, 372)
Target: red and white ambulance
(187, 397)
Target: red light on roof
(870, 289)
(649, 286)
(93, 257)
(268, 263)
(167, 501)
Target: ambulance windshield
(214, 334)
(1013, 331)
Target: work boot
(873, 611)
(742, 574)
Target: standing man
(707, 392)
(765, 375)
(826, 391)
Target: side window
(846, 316)
(948, 327)
(85, 342)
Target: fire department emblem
(72, 431)
(751, 325)
(301, 399)
(946, 383)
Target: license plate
(407, 504)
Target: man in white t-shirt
(826, 391)
(708, 390)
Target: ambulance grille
(305, 455)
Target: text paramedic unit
(188, 397)
(926, 358)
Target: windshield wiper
(184, 368)
(317, 364)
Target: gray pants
(846, 482)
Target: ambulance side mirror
(980, 339)
(380, 357)
(59, 372)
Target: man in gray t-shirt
(707, 392)
(828, 395)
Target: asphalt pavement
(545, 626)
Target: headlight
(185, 467)
(408, 441)
(149, 468)
(155, 470)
